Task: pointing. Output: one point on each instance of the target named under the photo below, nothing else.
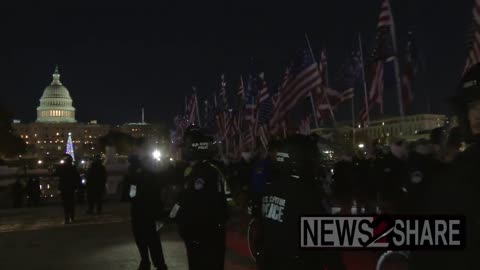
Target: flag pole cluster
(259, 114)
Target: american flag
(265, 108)
(241, 90)
(191, 110)
(228, 123)
(347, 94)
(263, 94)
(409, 73)
(250, 105)
(221, 127)
(326, 99)
(303, 79)
(382, 53)
(206, 114)
(474, 53)
(223, 93)
(376, 92)
(277, 125)
(305, 125)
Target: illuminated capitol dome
(56, 103)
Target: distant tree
(10, 144)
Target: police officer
(69, 182)
(96, 180)
(201, 211)
(292, 192)
(391, 174)
(458, 192)
(146, 212)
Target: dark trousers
(68, 201)
(95, 200)
(206, 248)
(147, 240)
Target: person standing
(292, 193)
(457, 192)
(96, 181)
(17, 193)
(201, 211)
(146, 212)
(33, 191)
(69, 181)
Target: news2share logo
(382, 232)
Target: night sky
(116, 60)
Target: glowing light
(62, 161)
(83, 181)
(157, 155)
(361, 145)
(83, 161)
(171, 159)
(40, 162)
(48, 186)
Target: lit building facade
(55, 119)
(56, 105)
(410, 128)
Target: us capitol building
(56, 120)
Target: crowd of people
(434, 176)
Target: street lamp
(40, 162)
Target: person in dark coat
(202, 208)
(18, 193)
(33, 191)
(343, 183)
(458, 191)
(391, 176)
(69, 181)
(146, 212)
(291, 194)
(96, 181)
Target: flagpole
(196, 105)
(324, 92)
(396, 64)
(363, 78)
(353, 120)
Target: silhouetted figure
(17, 193)
(33, 191)
(146, 210)
(457, 191)
(202, 206)
(69, 181)
(96, 180)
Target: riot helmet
(197, 145)
(466, 103)
(297, 156)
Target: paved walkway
(37, 239)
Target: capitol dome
(56, 103)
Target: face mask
(474, 117)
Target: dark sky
(116, 60)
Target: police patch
(199, 184)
